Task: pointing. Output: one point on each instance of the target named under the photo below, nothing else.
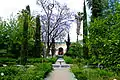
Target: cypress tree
(37, 44)
(24, 48)
(28, 9)
(68, 42)
(85, 31)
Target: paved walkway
(61, 73)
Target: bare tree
(56, 20)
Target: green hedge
(40, 60)
(12, 61)
(8, 61)
(36, 72)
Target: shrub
(75, 50)
(52, 60)
(92, 74)
(39, 60)
(8, 61)
(9, 72)
(78, 73)
(68, 60)
(36, 72)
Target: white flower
(2, 74)
(114, 79)
(4, 65)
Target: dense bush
(35, 72)
(11, 31)
(12, 61)
(40, 60)
(9, 72)
(104, 40)
(8, 61)
(92, 74)
(68, 60)
(52, 60)
(75, 50)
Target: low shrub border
(93, 74)
(36, 72)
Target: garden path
(61, 72)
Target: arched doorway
(60, 51)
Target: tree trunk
(53, 47)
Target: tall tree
(25, 19)
(96, 6)
(85, 31)
(37, 38)
(24, 48)
(55, 18)
(68, 42)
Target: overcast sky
(13, 6)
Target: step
(61, 66)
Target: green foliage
(75, 50)
(104, 40)
(42, 60)
(52, 60)
(68, 60)
(37, 44)
(68, 42)
(9, 36)
(7, 61)
(11, 31)
(35, 72)
(97, 7)
(9, 72)
(24, 47)
(92, 74)
(78, 73)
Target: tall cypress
(24, 48)
(85, 31)
(68, 42)
(28, 9)
(37, 44)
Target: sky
(7, 7)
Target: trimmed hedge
(39, 60)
